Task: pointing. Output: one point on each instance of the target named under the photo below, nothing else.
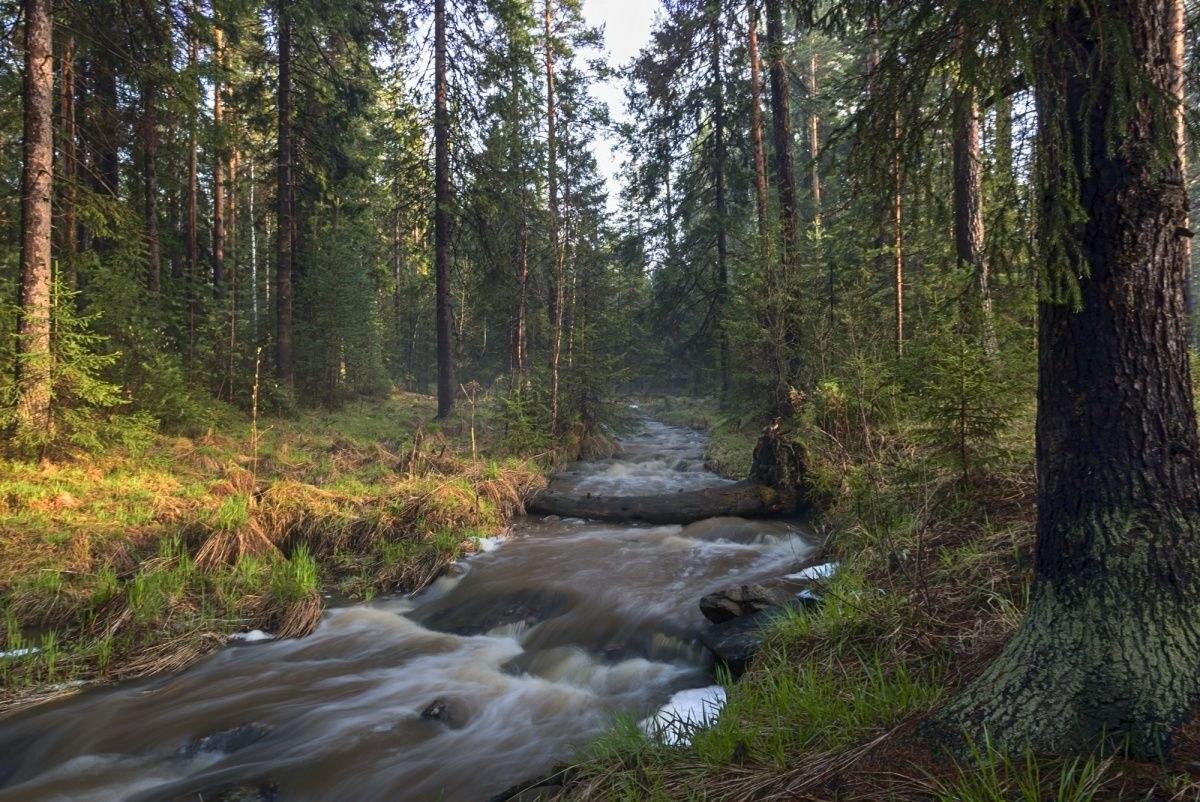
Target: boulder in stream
(227, 741)
(742, 600)
(446, 712)
(735, 642)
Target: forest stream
(502, 668)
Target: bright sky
(626, 26)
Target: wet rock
(483, 613)
(736, 642)
(740, 601)
(227, 741)
(446, 712)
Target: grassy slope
(136, 561)
(933, 579)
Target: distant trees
(404, 222)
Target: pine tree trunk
(898, 237)
(218, 173)
(34, 389)
(69, 165)
(781, 125)
(441, 215)
(720, 202)
(1110, 647)
(756, 133)
(285, 236)
(192, 234)
(149, 135)
(557, 248)
(968, 196)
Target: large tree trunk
(721, 213)
(1110, 647)
(33, 322)
(285, 198)
(441, 215)
(557, 248)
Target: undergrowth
(133, 561)
(935, 557)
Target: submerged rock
(485, 613)
(742, 600)
(446, 712)
(227, 741)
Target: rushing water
(523, 653)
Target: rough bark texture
(746, 499)
(441, 215)
(285, 267)
(1110, 648)
(33, 322)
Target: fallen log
(746, 499)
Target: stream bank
(499, 671)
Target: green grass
(138, 560)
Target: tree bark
(149, 134)
(69, 166)
(756, 134)
(1110, 647)
(748, 499)
(192, 234)
(968, 193)
(34, 388)
(441, 215)
(557, 248)
(285, 237)
(219, 168)
(1178, 26)
(720, 210)
(781, 126)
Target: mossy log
(748, 499)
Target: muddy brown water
(521, 655)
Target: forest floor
(143, 558)
(933, 577)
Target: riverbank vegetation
(147, 555)
(942, 248)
